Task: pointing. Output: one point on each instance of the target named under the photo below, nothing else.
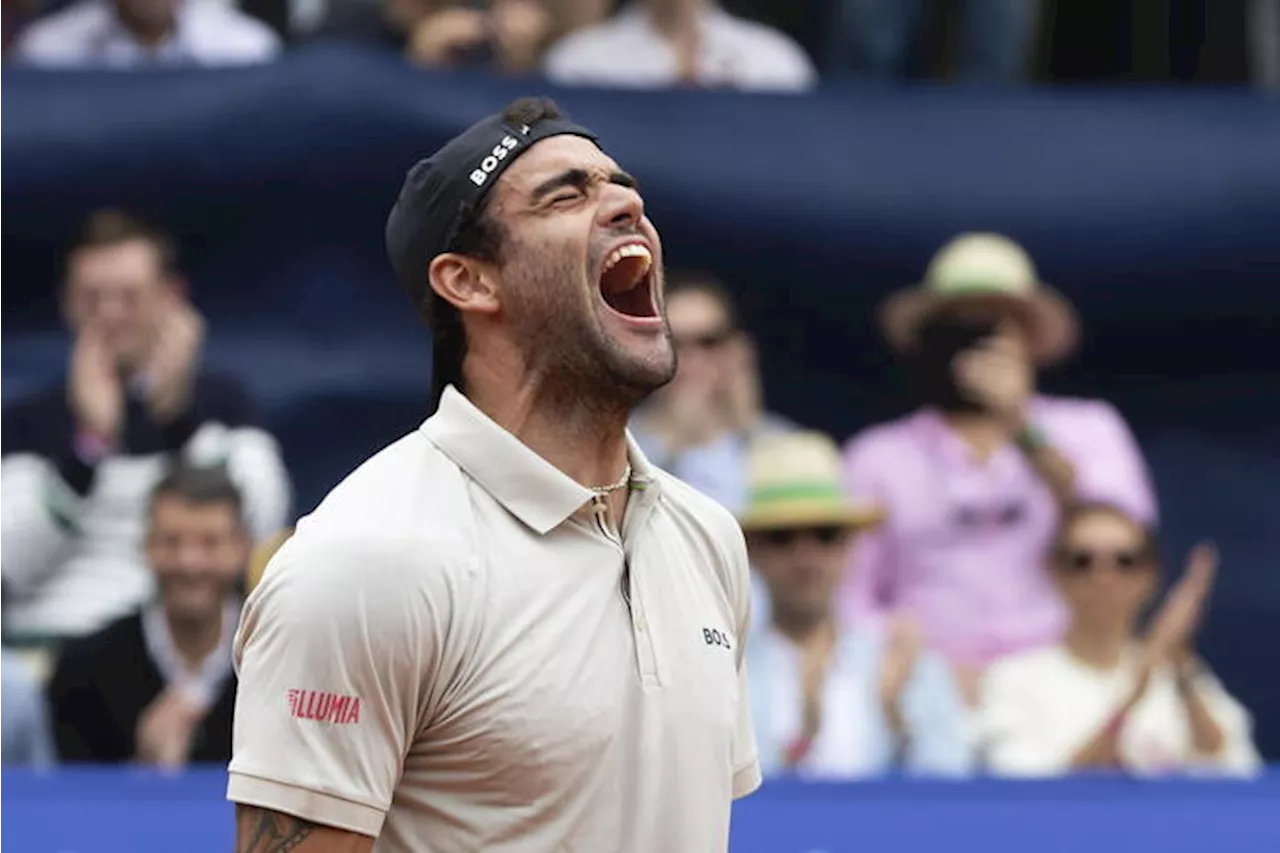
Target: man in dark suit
(157, 686)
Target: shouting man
(507, 631)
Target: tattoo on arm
(263, 831)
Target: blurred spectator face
(945, 335)
(1105, 568)
(406, 13)
(122, 290)
(703, 337)
(801, 568)
(148, 17)
(198, 552)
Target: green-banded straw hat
(794, 481)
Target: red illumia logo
(323, 707)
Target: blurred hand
(1171, 637)
(682, 27)
(439, 38)
(165, 730)
(815, 661)
(995, 375)
(520, 29)
(171, 367)
(742, 397)
(94, 389)
(903, 644)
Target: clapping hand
(1171, 637)
(171, 367)
(94, 389)
(166, 729)
(903, 645)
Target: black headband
(427, 214)
(435, 195)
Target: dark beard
(580, 369)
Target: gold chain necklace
(605, 491)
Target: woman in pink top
(972, 482)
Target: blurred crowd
(973, 588)
(764, 45)
(976, 587)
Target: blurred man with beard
(157, 687)
(134, 33)
(82, 456)
(507, 631)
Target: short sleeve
(1110, 468)
(337, 652)
(746, 757)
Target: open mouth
(626, 283)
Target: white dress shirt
(89, 35)
(627, 52)
(1040, 707)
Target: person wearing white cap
(831, 699)
(972, 482)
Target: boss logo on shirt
(716, 638)
(323, 707)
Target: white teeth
(631, 250)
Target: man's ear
(465, 283)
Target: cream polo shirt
(442, 657)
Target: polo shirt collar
(528, 486)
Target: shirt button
(640, 625)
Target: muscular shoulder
(407, 495)
(393, 531)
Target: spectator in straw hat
(973, 480)
(829, 698)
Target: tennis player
(507, 630)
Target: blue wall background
(1156, 212)
(128, 811)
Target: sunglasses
(707, 341)
(1079, 561)
(825, 535)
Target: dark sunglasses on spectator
(707, 341)
(826, 535)
(1081, 561)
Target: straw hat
(794, 481)
(985, 268)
